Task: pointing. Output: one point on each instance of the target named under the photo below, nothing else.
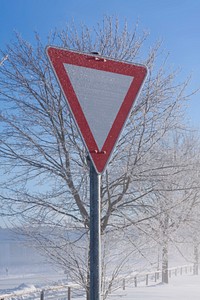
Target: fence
(55, 292)
(65, 291)
(156, 276)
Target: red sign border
(58, 57)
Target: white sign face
(100, 95)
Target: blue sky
(176, 22)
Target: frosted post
(95, 235)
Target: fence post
(124, 285)
(69, 293)
(147, 279)
(42, 295)
(157, 275)
(195, 269)
(135, 281)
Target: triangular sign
(100, 93)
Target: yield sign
(100, 93)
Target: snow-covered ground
(184, 287)
(180, 288)
(24, 270)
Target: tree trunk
(165, 275)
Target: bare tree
(3, 60)
(188, 234)
(176, 190)
(44, 168)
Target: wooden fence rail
(66, 290)
(42, 294)
(156, 276)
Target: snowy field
(180, 288)
(184, 287)
(23, 270)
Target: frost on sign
(100, 95)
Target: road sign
(100, 93)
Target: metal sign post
(95, 234)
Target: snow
(180, 288)
(11, 282)
(23, 271)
